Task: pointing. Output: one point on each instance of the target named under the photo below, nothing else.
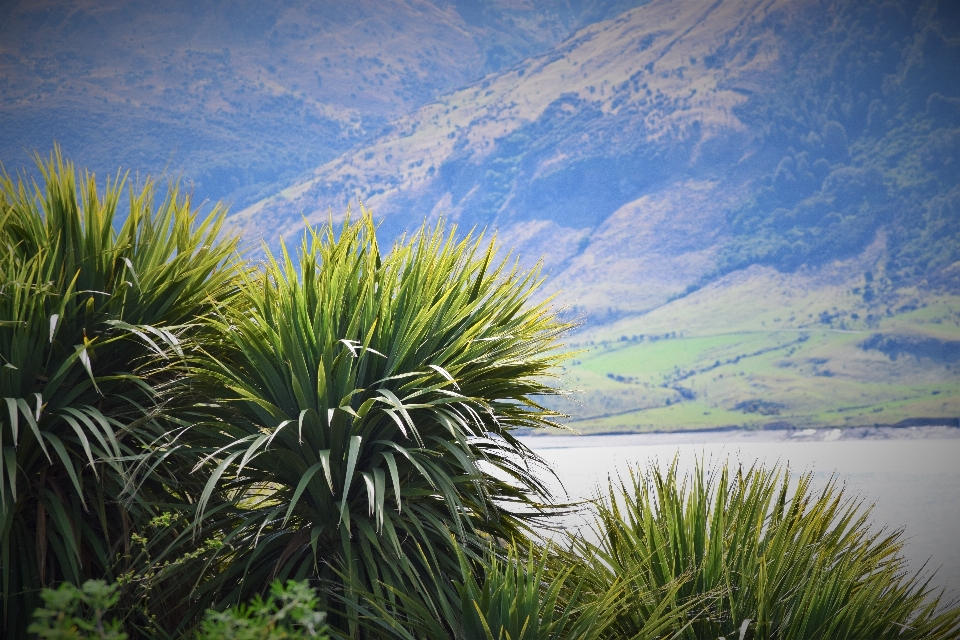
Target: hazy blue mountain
(651, 153)
(754, 205)
(237, 96)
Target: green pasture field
(722, 367)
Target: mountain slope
(627, 101)
(649, 154)
(238, 95)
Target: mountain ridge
(541, 93)
(751, 207)
(238, 96)
(767, 132)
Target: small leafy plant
(72, 613)
(290, 613)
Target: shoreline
(565, 441)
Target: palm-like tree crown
(367, 405)
(82, 305)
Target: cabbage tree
(363, 411)
(87, 302)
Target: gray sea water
(911, 477)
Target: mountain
(556, 145)
(656, 151)
(751, 206)
(236, 96)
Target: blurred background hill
(753, 206)
(239, 96)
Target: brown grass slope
(239, 95)
(649, 82)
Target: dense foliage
(363, 405)
(753, 553)
(862, 133)
(83, 304)
(185, 431)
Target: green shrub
(507, 593)
(753, 556)
(289, 613)
(84, 302)
(361, 405)
(71, 613)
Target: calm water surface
(913, 483)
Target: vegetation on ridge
(860, 135)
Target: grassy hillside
(763, 349)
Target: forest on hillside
(864, 134)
